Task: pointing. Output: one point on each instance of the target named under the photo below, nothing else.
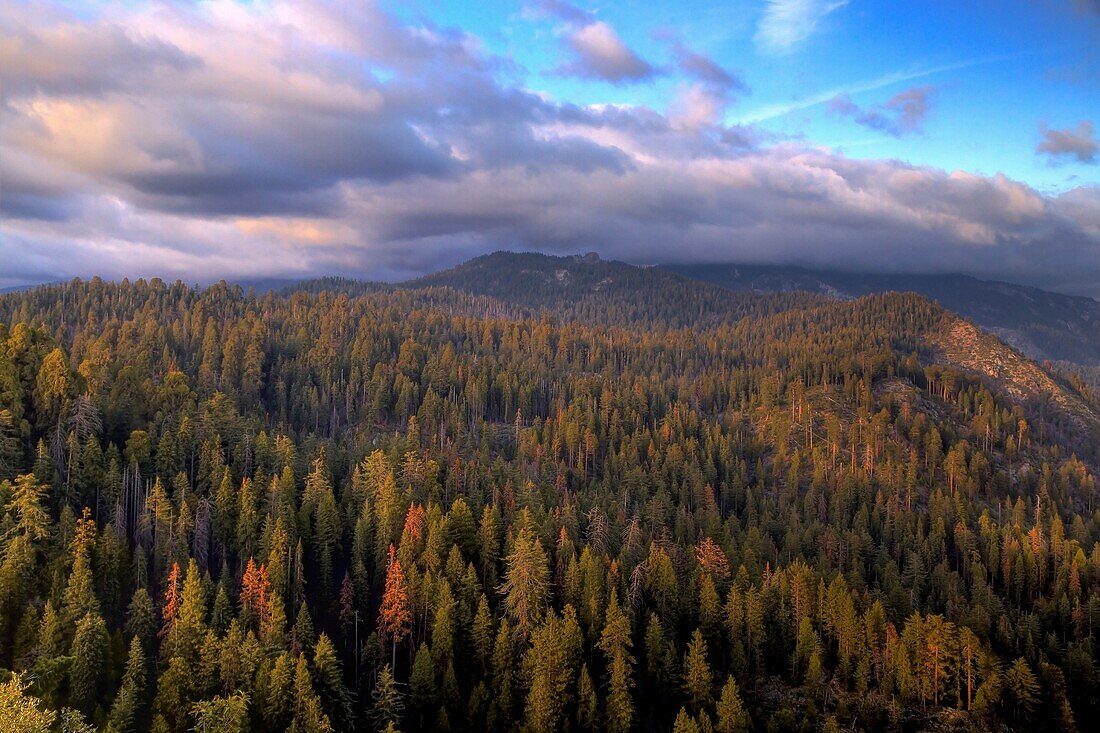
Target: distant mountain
(267, 284)
(1041, 324)
(584, 288)
(538, 281)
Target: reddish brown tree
(394, 617)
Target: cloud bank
(303, 138)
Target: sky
(280, 138)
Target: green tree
(549, 667)
(422, 683)
(684, 723)
(698, 681)
(222, 714)
(732, 716)
(335, 697)
(588, 704)
(615, 643)
(89, 653)
(526, 586)
(386, 700)
(1022, 688)
(128, 708)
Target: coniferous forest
(333, 508)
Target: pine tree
(21, 712)
(89, 653)
(189, 624)
(732, 716)
(175, 693)
(222, 715)
(127, 711)
(482, 634)
(422, 683)
(347, 607)
(141, 621)
(80, 599)
(526, 585)
(615, 642)
(698, 682)
(684, 723)
(308, 715)
(394, 617)
(275, 691)
(32, 521)
(386, 702)
(549, 667)
(503, 700)
(172, 598)
(255, 594)
(588, 705)
(336, 700)
(1022, 687)
(658, 652)
(326, 533)
(443, 625)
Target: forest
(335, 508)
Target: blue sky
(294, 138)
(997, 69)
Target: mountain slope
(593, 290)
(588, 289)
(1042, 324)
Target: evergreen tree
(127, 711)
(732, 716)
(89, 653)
(526, 585)
(615, 642)
(698, 681)
(386, 702)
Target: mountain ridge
(1043, 324)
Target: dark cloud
(305, 138)
(1078, 143)
(79, 60)
(902, 114)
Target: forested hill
(584, 288)
(1042, 324)
(441, 507)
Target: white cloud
(787, 23)
(599, 53)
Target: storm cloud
(303, 138)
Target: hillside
(1042, 324)
(591, 289)
(485, 503)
